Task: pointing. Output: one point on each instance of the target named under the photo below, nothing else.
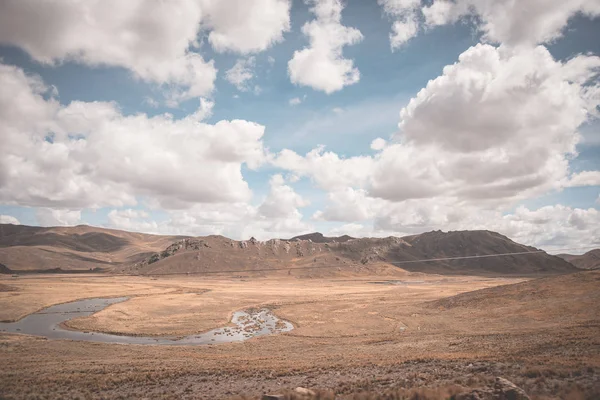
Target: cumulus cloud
(151, 39)
(90, 155)
(349, 205)
(322, 65)
(584, 178)
(241, 73)
(282, 200)
(156, 41)
(497, 127)
(57, 217)
(498, 124)
(327, 169)
(512, 22)
(378, 144)
(132, 220)
(9, 219)
(246, 26)
(405, 14)
(276, 216)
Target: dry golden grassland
(350, 335)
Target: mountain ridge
(84, 247)
(588, 260)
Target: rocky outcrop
(185, 244)
(503, 390)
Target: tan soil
(541, 334)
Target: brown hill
(557, 310)
(86, 248)
(589, 260)
(567, 296)
(327, 256)
(74, 248)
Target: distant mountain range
(589, 260)
(26, 248)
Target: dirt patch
(7, 288)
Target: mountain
(74, 248)
(589, 260)
(318, 237)
(316, 255)
(82, 248)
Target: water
(47, 323)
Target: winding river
(48, 323)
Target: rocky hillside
(74, 248)
(324, 256)
(589, 260)
(314, 255)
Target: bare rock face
(304, 391)
(506, 390)
(185, 244)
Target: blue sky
(266, 185)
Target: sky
(274, 118)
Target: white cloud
(328, 170)
(498, 124)
(512, 22)
(349, 205)
(154, 40)
(322, 65)
(241, 73)
(584, 178)
(497, 127)
(406, 21)
(352, 229)
(151, 102)
(276, 216)
(9, 219)
(246, 26)
(57, 217)
(151, 39)
(297, 100)
(282, 200)
(90, 155)
(132, 220)
(378, 144)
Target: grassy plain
(350, 334)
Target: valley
(362, 325)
